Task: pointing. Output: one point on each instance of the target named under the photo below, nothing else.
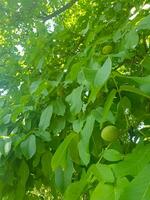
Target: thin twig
(60, 10)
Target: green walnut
(110, 133)
(107, 49)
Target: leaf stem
(101, 154)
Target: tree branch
(59, 11)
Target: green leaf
(85, 30)
(75, 189)
(107, 106)
(74, 100)
(85, 138)
(77, 125)
(117, 35)
(132, 89)
(59, 179)
(93, 94)
(102, 173)
(46, 164)
(121, 184)
(59, 107)
(34, 86)
(146, 62)
(81, 80)
(144, 23)
(103, 74)
(73, 150)
(68, 172)
(2, 143)
(140, 80)
(63, 177)
(7, 118)
(40, 64)
(98, 115)
(131, 39)
(100, 79)
(59, 158)
(46, 117)
(28, 147)
(112, 155)
(1, 102)
(72, 75)
(145, 88)
(23, 174)
(90, 75)
(143, 82)
(133, 162)
(123, 107)
(139, 188)
(1, 188)
(7, 146)
(44, 135)
(58, 125)
(104, 192)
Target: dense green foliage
(61, 82)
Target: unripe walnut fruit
(107, 49)
(110, 133)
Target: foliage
(59, 89)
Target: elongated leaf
(124, 106)
(74, 190)
(59, 179)
(59, 107)
(44, 135)
(139, 189)
(46, 117)
(63, 177)
(104, 192)
(73, 149)
(77, 125)
(131, 39)
(112, 155)
(59, 158)
(68, 172)
(145, 88)
(46, 164)
(144, 23)
(85, 138)
(102, 173)
(74, 100)
(146, 62)
(58, 125)
(34, 86)
(107, 106)
(72, 75)
(121, 184)
(98, 114)
(133, 162)
(23, 174)
(7, 118)
(133, 90)
(7, 146)
(90, 75)
(103, 74)
(140, 80)
(143, 82)
(28, 146)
